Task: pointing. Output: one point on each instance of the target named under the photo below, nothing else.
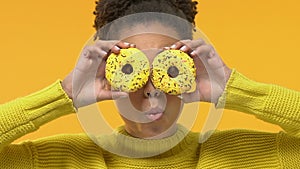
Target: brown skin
(151, 44)
(93, 88)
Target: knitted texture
(27, 114)
(270, 103)
(224, 149)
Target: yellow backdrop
(41, 40)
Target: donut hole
(127, 69)
(173, 71)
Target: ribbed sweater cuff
(47, 104)
(243, 94)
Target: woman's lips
(154, 114)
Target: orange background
(41, 40)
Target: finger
(113, 46)
(101, 70)
(186, 49)
(177, 45)
(117, 95)
(197, 43)
(92, 52)
(202, 51)
(191, 97)
(111, 95)
(132, 45)
(121, 45)
(188, 46)
(106, 45)
(192, 44)
(125, 45)
(181, 45)
(115, 50)
(200, 66)
(212, 53)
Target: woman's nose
(150, 91)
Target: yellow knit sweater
(224, 149)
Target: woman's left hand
(212, 73)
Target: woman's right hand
(86, 84)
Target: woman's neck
(146, 131)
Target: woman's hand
(87, 84)
(211, 72)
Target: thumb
(118, 95)
(191, 97)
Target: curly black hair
(108, 11)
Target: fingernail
(126, 43)
(117, 48)
(180, 97)
(173, 46)
(183, 48)
(104, 53)
(193, 53)
(166, 48)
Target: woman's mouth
(154, 114)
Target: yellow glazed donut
(173, 72)
(128, 71)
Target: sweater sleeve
(268, 102)
(24, 115)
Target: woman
(151, 33)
